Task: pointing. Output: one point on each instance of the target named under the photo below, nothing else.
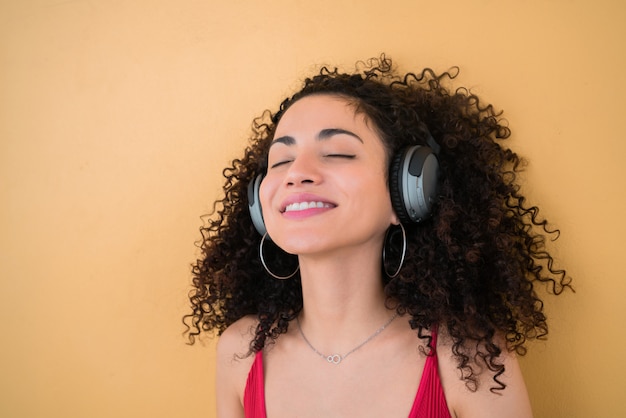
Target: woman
(373, 257)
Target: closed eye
(347, 156)
(278, 164)
(344, 156)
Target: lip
(303, 197)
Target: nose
(304, 169)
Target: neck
(344, 299)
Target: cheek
(374, 194)
(372, 187)
(266, 192)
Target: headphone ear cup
(413, 178)
(254, 204)
(395, 187)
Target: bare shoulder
(233, 365)
(511, 402)
(235, 340)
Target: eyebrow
(324, 134)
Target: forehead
(323, 110)
(309, 117)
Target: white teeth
(306, 205)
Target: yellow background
(116, 118)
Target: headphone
(413, 178)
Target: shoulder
(235, 340)
(233, 365)
(511, 402)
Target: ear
(394, 218)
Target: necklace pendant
(334, 359)
(338, 358)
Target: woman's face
(326, 183)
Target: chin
(301, 245)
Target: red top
(430, 401)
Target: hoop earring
(391, 276)
(276, 276)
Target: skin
(324, 152)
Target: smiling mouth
(294, 207)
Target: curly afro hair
(472, 268)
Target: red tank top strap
(254, 393)
(430, 401)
